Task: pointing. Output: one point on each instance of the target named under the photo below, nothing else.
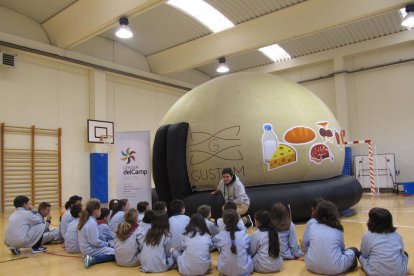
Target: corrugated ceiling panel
(358, 31)
(238, 11)
(354, 32)
(38, 10)
(160, 28)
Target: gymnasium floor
(57, 262)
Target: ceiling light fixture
(222, 68)
(275, 53)
(408, 19)
(124, 31)
(204, 13)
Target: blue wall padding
(99, 176)
(347, 170)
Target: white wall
(193, 76)
(381, 105)
(50, 94)
(113, 51)
(21, 25)
(135, 105)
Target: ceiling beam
(391, 40)
(297, 20)
(88, 18)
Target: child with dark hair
(264, 245)
(127, 240)
(117, 215)
(50, 235)
(91, 245)
(230, 206)
(312, 220)
(233, 245)
(112, 204)
(24, 228)
(160, 206)
(178, 221)
(205, 212)
(71, 236)
(382, 248)
(195, 260)
(142, 206)
(289, 247)
(326, 253)
(155, 254)
(145, 224)
(104, 231)
(67, 217)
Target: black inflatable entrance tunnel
(171, 181)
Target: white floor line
(393, 211)
(364, 222)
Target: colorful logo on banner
(128, 155)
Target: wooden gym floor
(57, 262)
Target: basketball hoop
(106, 140)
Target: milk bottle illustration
(269, 142)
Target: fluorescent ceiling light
(124, 31)
(275, 53)
(204, 13)
(403, 12)
(222, 68)
(407, 14)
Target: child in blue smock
(382, 248)
(326, 253)
(155, 253)
(311, 221)
(24, 228)
(145, 224)
(67, 218)
(117, 215)
(94, 249)
(195, 260)
(289, 247)
(71, 236)
(205, 212)
(230, 205)
(105, 233)
(264, 245)
(49, 235)
(142, 206)
(178, 221)
(233, 244)
(127, 240)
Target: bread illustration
(299, 135)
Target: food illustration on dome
(319, 152)
(325, 132)
(299, 135)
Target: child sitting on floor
(50, 235)
(24, 228)
(382, 248)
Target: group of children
(149, 238)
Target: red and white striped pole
(370, 159)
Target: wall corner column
(341, 94)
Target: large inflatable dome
(271, 131)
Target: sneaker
(87, 261)
(15, 251)
(249, 222)
(40, 249)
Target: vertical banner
(133, 177)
